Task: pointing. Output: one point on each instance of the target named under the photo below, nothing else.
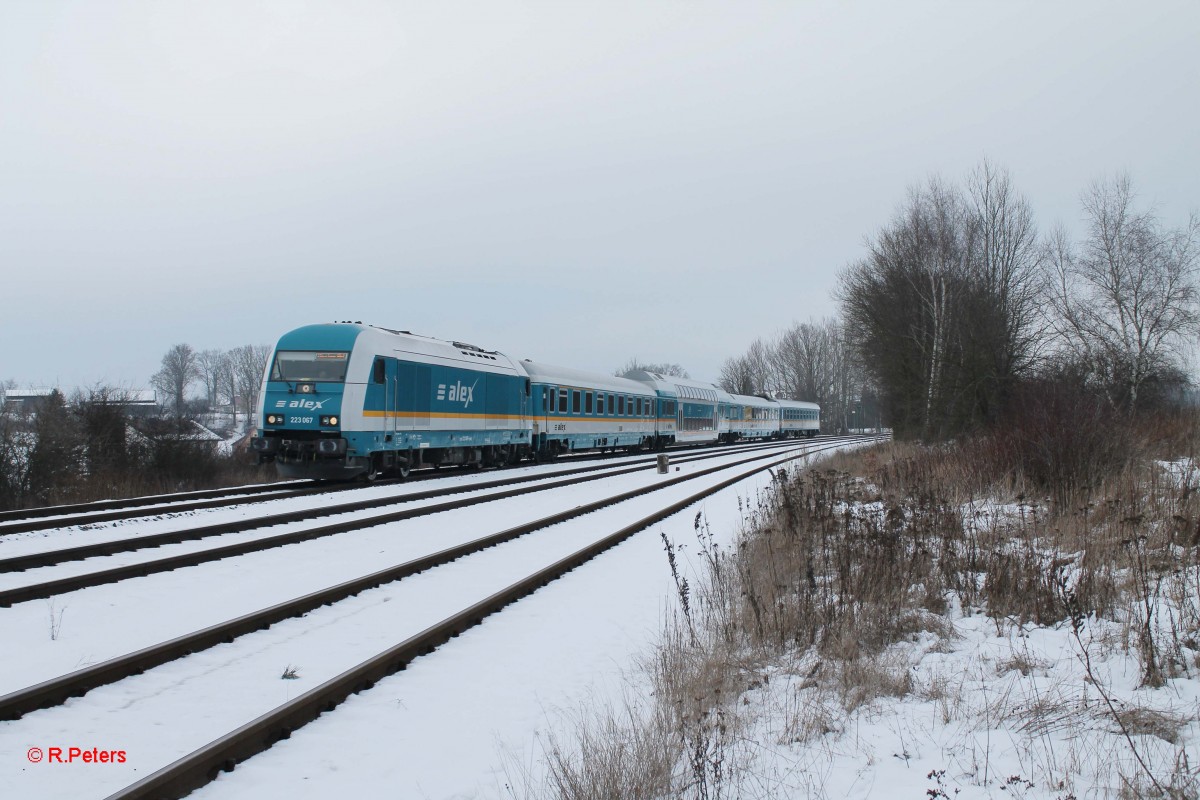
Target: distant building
(135, 402)
(182, 432)
(25, 398)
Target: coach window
(600, 403)
(574, 401)
(587, 403)
(621, 406)
(562, 401)
(546, 404)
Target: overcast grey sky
(572, 182)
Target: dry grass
(841, 565)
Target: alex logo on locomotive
(457, 392)
(307, 405)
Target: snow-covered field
(446, 727)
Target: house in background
(24, 399)
(134, 402)
(183, 433)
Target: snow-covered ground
(440, 729)
(991, 711)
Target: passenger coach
(689, 413)
(799, 418)
(575, 410)
(749, 417)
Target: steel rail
(202, 766)
(86, 515)
(48, 558)
(75, 514)
(74, 684)
(45, 589)
(199, 501)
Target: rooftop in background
(30, 397)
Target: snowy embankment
(876, 644)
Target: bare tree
(944, 309)
(208, 365)
(662, 368)
(751, 373)
(12, 465)
(179, 369)
(1004, 331)
(736, 376)
(1127, 297)
(803, 361)
(102, 417)
(54, 465)
(817, 363)
(227, 384)
(248, 364)
(905, 304)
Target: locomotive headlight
(274, 419)
(305, 388)
(332, 420)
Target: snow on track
(101, 622)
(163, 519)
(179, 706)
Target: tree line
(961, 312)
(230, 377)
(101, 443)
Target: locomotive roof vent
(475, 350)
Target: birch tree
(905, 302)
(944, 308)
(1126, 297)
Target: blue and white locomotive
(344, 400)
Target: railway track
(224, 753)
(50, 588)
(50, 517)
(69, 509)
(77, 514)
(58, 690)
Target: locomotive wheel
(403, 470)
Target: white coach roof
(565, 376)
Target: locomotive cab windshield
(304, 366)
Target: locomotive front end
(301, 417)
